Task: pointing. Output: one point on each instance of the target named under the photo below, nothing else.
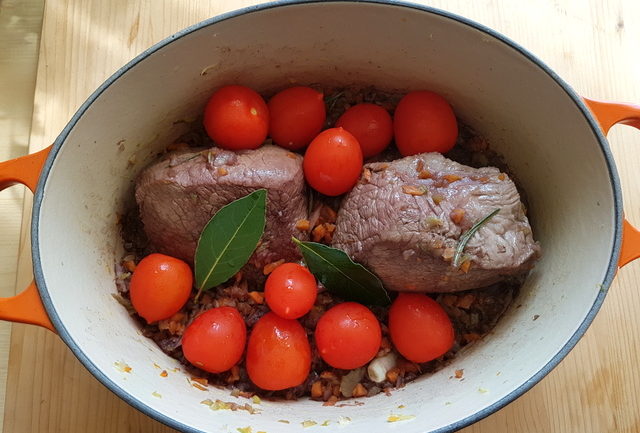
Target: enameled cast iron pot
(551, 138)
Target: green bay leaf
(228, 240)
(341, 275)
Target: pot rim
(514, 394)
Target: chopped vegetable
(303, 225)
(350, 380)
(156, 394)
(396, 418)
(268, 268)
(451, 177)
(257, 297)
(414, 190)
(378, 368)
(457, 215)
(122, 366)
(164, 373)
(308, 423)
(459, 373)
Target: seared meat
(404, 218)
(178, 194)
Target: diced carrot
(318, 233)
(457, 215)
(130, 265)
(359, 391)
(335, 390)
(465, 266)
(466, 301)
(222, 171)
(425, 174)
(198, 386)
(420, 166)
(234, 374)
(483, 179)
(200, 380)
(257, 297)
(291, 155)
(268, 268)
(437, 198)
(451, 177)
(459, 373)
(413, 190)
(329, 375)
(329, 214)
(392, 375)
(164, 373)
(330, 228)
(303, 225)
(316, 389)
(333, 399)
(502, 176)
(366, 175)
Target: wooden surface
(594, 45)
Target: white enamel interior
(523, 112)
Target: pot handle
(609, 114)
(26, 307)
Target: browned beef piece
(178, 194)
(399, 221)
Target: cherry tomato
(297, 116)
(160, 286)
(348, 336)
(333, 162)
(290, 290)
(215, 340)
(424, 122)
(236, 117)
(371, 125)
(420, 329)
(278, 354)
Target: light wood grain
(592, 45)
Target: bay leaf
(228, 240)
(341, 275)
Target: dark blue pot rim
(544, 370)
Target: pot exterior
(525, 111)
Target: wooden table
(594, 45)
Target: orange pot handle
(609, 114)
(25, 307)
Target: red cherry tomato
(290, 290)
(160, 286)
(333, 162)
(371, 125)
(420, 329)
(297, 116)
(348, 336)
(424, 122)
(278, 354)
(236, 117)
(215, 340)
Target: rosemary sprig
(464, 239)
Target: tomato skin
(370, 124)
(333, 162)
(297, 115)
(278, 353)
(290, 290)
(419, 328)
(160, 286)
(215, 340)
(424, 122)
(348, 336)
(236, 117)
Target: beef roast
(403, 221)
(178, 194)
